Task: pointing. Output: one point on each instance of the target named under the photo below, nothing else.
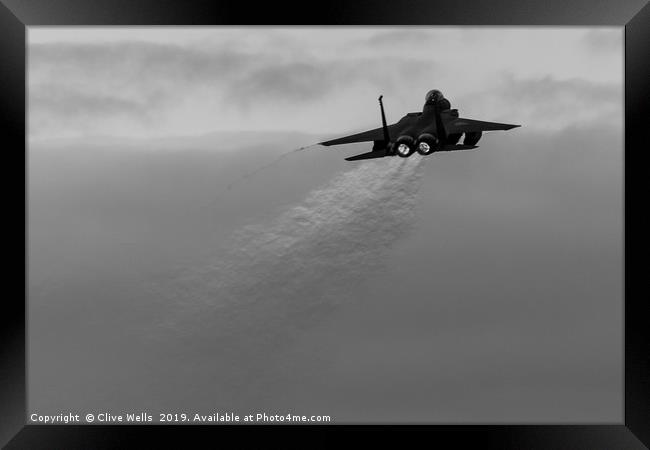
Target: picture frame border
(631, 15)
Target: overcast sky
(422, 290)
(157, 82)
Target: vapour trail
(308, 254)
(260, 169)
(274, 279)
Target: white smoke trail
(274, 279)
(309, 255)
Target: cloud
(549, 103)
(82, 86)
(133, 76)
(550, 90)
(603, 40)
(145, 81)
(308, 81)
(137, 58)
(315, 80)
(401, 36)
(70, 103)
(287, 83)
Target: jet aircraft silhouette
(437, 128)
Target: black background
(16, 15)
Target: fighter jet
(438, 128)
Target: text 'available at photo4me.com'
(103, 417)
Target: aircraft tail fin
(384, 126)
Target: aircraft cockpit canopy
(433, 96)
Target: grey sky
(183, 81)
(419, 290)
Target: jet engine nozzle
(427, 143)
(405, 146)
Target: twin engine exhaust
(405, 145)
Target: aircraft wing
(371, 135)
(461, 125)
(369, 155)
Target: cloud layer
(318, 80)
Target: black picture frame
(634, 15)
